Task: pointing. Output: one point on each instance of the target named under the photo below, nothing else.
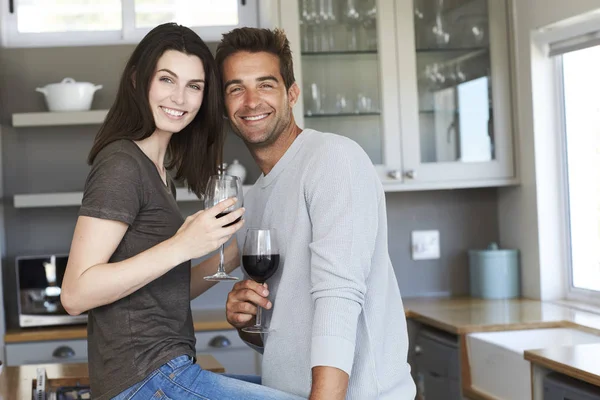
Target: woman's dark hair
(195, 151)
(255, 40)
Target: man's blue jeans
(181, 379)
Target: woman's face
(176, 90)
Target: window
(34, 23)
(581, 107)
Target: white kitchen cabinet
(47, 352)
(225, 345)
(430, 113)
(231, 351)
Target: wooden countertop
(579, 362)
(16, 382)
(204, 320)
(466, 315)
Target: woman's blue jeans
(181, 379)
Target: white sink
(498, 368)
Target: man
(338, 325)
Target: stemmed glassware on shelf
(353, 19)
(440, 34)
(222, 187)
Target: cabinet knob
(395, 174)
(219, 342)
(410, 174)
(418, 349)
(63, 352)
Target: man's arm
(343, 203)
(329, 383)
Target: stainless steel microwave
(39, 280)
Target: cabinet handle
(243, 2)
(63, 352)
(410, 174)
(418, 349)
(219, 342)
(395, 174)
(11, 6)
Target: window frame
(572, 293)
(129, 34)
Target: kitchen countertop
(204, 320)
(466, 315)
(579, 362)
(458, 316)
(16, 382)
(454, 315)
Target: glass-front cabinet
(455, 100)
(422, 85)
(347, 73)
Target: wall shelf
(92, 117)
(66, 199)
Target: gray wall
(52, 159)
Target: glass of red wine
(260, 258)
(219, 188)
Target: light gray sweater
(335, 296)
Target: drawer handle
(63, 352)
(418, 349)
(219, 342)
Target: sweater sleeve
(343, 193)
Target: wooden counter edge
(568, 370)
(463, 329)
(80, 332)
(474, 394)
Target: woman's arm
(199, 285)
(91, 281)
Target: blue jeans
(181, 379)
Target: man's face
(257, 103)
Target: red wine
(261, 268)
(224, 214)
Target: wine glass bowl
(260, 260)
(218, 189)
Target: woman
(129, 264)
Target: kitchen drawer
(55, 351)
(435, 387)
(561, 387)
(437, 353)
(231, 351)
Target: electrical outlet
(425, 245)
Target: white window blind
(580, 42)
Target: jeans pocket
(160, 395)
(176, 366)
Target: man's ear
(293, 94)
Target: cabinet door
(345, 65)
(47, 352)
(454, 90)
(231, 351)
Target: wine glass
(219, 188)
(260, 259)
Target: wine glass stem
(258, 316)
(222, 259)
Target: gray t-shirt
(135, 335)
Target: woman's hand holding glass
(203, 232)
